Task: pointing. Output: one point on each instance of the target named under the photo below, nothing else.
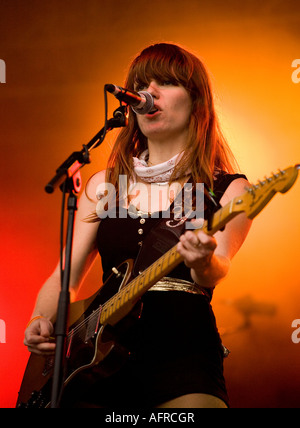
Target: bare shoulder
(236, 188)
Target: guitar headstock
(258, 195)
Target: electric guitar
(97, 325)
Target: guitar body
(92, 350)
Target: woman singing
(176, 357)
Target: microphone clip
(120, 117)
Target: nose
(153, 89)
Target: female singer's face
(170, 116)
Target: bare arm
(84, 251)
(210, 257)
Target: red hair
(206, 150)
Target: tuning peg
(275, 175)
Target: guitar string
(84, 322)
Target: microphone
(140, 102)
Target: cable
(101, 138)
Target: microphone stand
(68, 178)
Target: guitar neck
(222, 217)
(122, 302)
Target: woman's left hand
(196, 249)
(209, 257)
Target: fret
(119, 301)
(114, 303)
(146, 273)
(131, 289)
(135, 287)
(111, 305)
(103, 315)
(143, 282)
(139, 283)
(164, 267)
(169, 255)
(122, 297)
(164, 263)
(126, 298)
(157, 266)
(150, 273)
(175, 256)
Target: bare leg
(200, 401)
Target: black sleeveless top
(176, 348)
(123, 237)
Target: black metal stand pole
(68, 177)
(61, 326)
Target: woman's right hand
(38, 337)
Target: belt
(175, 284)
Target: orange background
(58, 57)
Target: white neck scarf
(160, 173)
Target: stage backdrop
(55, 59)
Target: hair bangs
(162, 64)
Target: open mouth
(153, 111)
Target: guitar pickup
(93, 324)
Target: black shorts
(176, 351)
